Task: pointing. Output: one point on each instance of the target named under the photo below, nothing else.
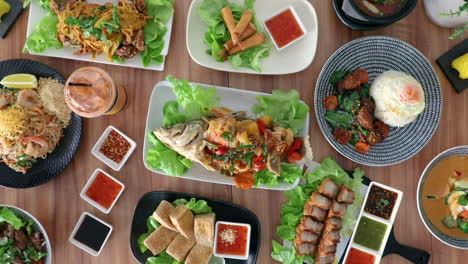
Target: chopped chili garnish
(115, 147)
(221, 151)
(259, 163)
(261, 126)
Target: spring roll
(236, 49)
(249, 31)
(226, 13)
(253, 41)
(241, 26)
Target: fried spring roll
(249, 31)
(226, 13)
(241, 26)
(254, 40)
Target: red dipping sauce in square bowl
(232, 240)
(102, 191)
(285, 28)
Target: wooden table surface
(58, 205)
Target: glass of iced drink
(91, 92)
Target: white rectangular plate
(293, 59)
(235, 99)
(36, 13)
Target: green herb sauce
(370, 233)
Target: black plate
(414, 255)
(355, 23)
(445, 62)
(225, 211)
(45, 169)
(9, 19)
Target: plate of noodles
(132, 33)
(39, 135)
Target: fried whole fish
(187, 139)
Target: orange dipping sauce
(284, 28)
(356, 256)
(232, 240)
(104, 190)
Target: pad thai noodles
(29, 129)
(115, 31)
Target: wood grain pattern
(57, 204)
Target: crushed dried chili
(115, 147)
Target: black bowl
(355, 23)
(409, 5)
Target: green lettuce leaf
(152, 224)
(44, 35)
(155, 30)
(218, 34)
(251, 58)
(162, 258)
(199, 206)
(285, 255)
(284, 107)
(7, 215)
(195, 100)
(289, 174)
(161, 157)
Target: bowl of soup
(383, 11)
(442, 197)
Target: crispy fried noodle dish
(31, 123)
(116, 31)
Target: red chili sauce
(232, 240)
(284, 28)
(103, 190)
(356, 256)
(115, 147)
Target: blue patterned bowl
(377, 54)
(444, 238)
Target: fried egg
(399, 98)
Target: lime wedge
(19, 81)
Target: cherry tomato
(294, 157)
(464, 214)
(259, 163)
(221, 151)
(261, 126)
(244, 180)
(297, 144)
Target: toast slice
(180, 247)
(182, 218)
(199, 255)
(204, 229)
(158, 241)
(162, 213)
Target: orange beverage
(91, 92)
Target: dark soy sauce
(92, 233)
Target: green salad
(46, 35)
(218, 33)
(196, 206)
(292, 210)
(19, 242)
(194, 102)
